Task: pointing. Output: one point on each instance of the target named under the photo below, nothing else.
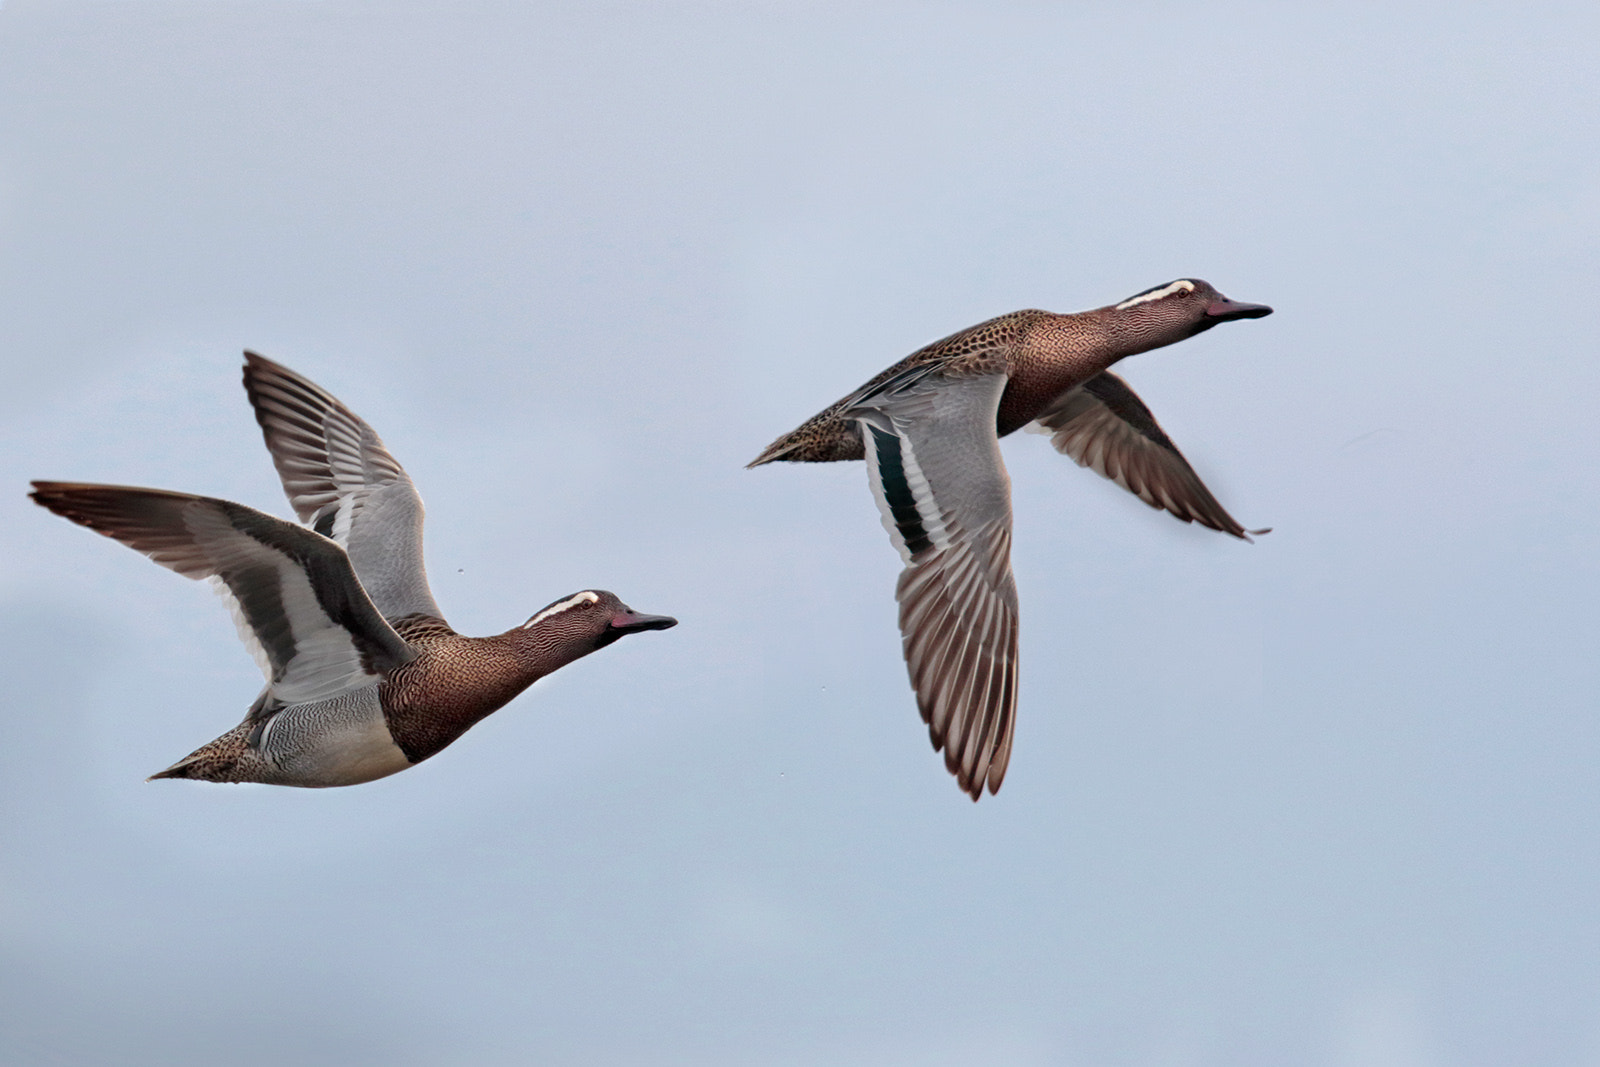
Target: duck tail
(825, 438)
(184, 768)
(215, 761)
(777, 450)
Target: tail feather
(773, 452)
(184, 768)
(824, 438)
(215, 761)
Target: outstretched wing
(344, 484)
(934, 464)
(1103, 426)
(293, 592)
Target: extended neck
(1131, 331)
(1070, 349)
(455, 681)
(541, 649)
(1059, 352)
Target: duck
(364, 678)
(929, 429)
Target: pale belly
(338, 742)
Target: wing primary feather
(1104, 426)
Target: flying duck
(364, 676)
(929, 429)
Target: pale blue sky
(1332, 799)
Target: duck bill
(633, 622)
(1225, 310)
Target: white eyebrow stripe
(585, 597)
(1157, 294)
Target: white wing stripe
(247, 634)
(933, 517)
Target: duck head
(596, 617)
(1180, 309)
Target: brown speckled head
(593, 615)
(1164, 314)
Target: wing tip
(997, 758)
(974, 788)
(256, 363)
(65, 498)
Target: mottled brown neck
(1139, 329)
(456, 681)
(1057, 353)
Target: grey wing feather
(293, 592)
(344, 484)
(1104, 426)
(934, 464)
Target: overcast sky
(1332, 799)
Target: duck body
(415, 711)
(343, 740)
(928, 428)
(364, 678)
(1043, 356)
